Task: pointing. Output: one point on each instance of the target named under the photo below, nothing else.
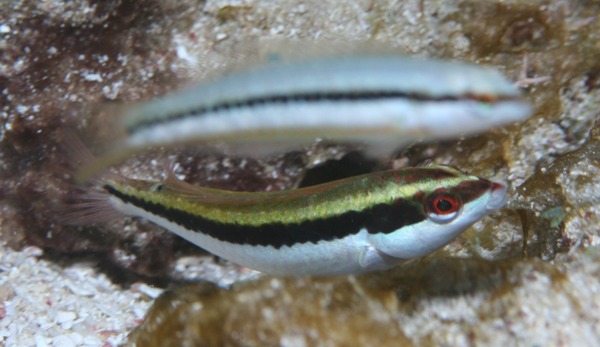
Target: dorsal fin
(211, 196)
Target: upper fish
(384, 101)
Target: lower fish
(350, 226)
(382, 101)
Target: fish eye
(443, 207)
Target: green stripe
(307, 204)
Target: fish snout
(497, 197)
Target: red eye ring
(444, 204)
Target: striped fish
(383, 101)
(349, 226)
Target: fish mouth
(497, 197)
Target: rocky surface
(457, 302)
(525, 275)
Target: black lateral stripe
(282, 99)
(382, 218)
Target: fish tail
(82, 203)
(88, 205)
(91, 169)
(106, 130)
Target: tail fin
(83, 204)
(108, 130)
(87, 207)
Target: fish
(359, 224)
(381, 101)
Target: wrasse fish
(354, 225)
(383, 101)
